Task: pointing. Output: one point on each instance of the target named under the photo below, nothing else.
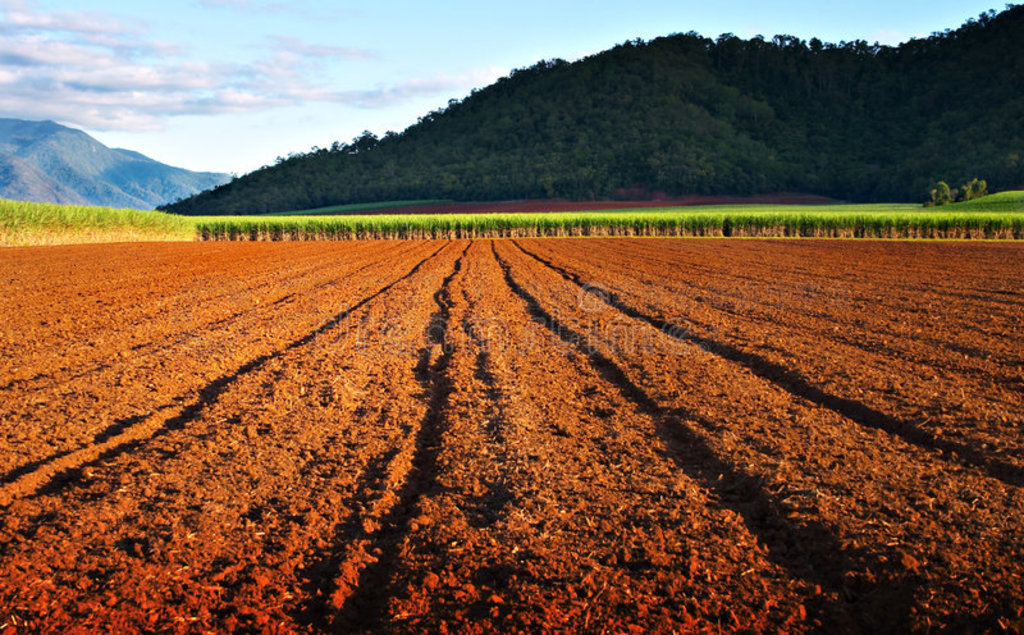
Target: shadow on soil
(491, 506)
(208, 395)
(321, 572)
(794, 383)
(107, 434)
(805, 548)
(365, 609)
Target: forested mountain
(46, 162)
(685, 114)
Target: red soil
(603, 434)
(556, 205)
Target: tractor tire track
(65, 468)
(894, 494)
(767, 516)
(487, 446)
(795, 383)
(362, 589)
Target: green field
(356, 208)
(997, 216)
(1000, 216)
(24, 223)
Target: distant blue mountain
(49, 163)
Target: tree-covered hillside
(685, 114)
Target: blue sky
(229, 85)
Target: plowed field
(596, 435)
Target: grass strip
(999, 216)
(23, 223)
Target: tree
(940, 195)
(974, 189)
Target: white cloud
(92, 71)
(231, 4)
(307, 50)
(294, 8)
(440, 84)
(78, 22)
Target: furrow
(362, 590)
(65, 467)
(895, 505)
(796, 384)
(767, 516)
(742, 291)
(184, 333)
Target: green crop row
(995, 217)
(23, 223)
(870, 221)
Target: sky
(230, 85)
